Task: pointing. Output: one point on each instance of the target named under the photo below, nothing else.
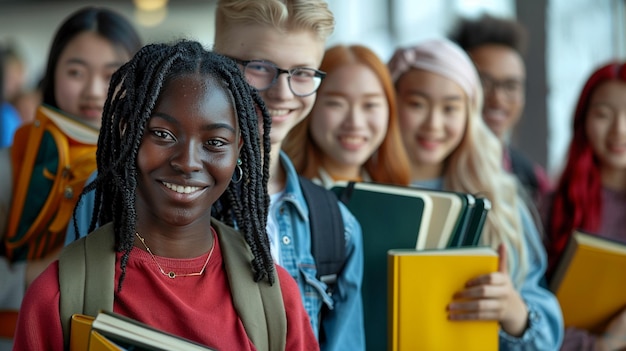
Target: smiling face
(349, 119)
(433, 115)
(503, 75)
(296, 49)
(188, 152)
(606, 125)
(83, 73)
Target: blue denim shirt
(84, 210)
(343, 324)
(545, 319)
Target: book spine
(392, 302)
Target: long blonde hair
(475, 166)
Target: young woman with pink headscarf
(450, 147)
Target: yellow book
(590, 281)
(98, 342)
(421, 284)
(80, 328)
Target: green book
(391, 217)
(477, 222)
(463, 221)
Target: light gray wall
(577, 36)
(32, 25)
(580, 36)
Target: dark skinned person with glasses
(497, 47)
(279, 45)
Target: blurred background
(568, 39)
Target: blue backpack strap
(327, 231)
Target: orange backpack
(52, 158)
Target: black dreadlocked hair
(133, 94)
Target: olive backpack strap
(259, 305)
(87, 268)
(328, 243)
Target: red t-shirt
(198, 308)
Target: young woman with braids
(179, 133)
(279, 45)
(591, 194)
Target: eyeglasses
(512, 88)
(262, 75)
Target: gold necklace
(171, 274)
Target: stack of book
(112, 331)
(436, 222)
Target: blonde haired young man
(280, 45)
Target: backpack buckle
(329, 279)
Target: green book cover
(391, 217)
(477, 222)
(469, 202)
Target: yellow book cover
(421, 284)
(80, 328)
(98, 342)
(590, 281)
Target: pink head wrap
(440, 56)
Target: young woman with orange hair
(352, 131)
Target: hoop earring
(238, 175)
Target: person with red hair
(591, 193)
(352, 131)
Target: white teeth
(181, 189)
(277, 112)
(352, 139)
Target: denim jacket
(84, 210)
(545, 319)
(343, 324)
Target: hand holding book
(421, 285)
(492, 297)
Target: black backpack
(327, 232)
(327, 237)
